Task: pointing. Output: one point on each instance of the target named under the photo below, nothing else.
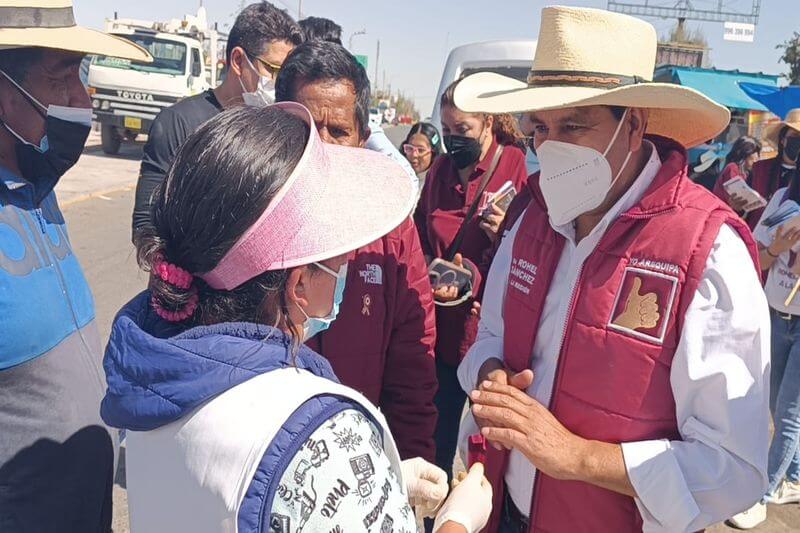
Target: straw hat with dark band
(51, 24)
(588, 57)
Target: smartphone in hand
(447, 273)
(501, 198)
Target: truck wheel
(110, 139)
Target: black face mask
(464, 151)
(792, 148)
(59, 149)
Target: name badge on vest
(643, 304)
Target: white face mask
(575, 179)
(264, 94)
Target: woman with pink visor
(233, 425)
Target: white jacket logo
(372, 274)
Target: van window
(519, 73)
(197, 67)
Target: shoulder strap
(456, 244)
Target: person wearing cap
(56, 456)
(622, 359)
(382, 343)
(259, 41)
(770, 175)
(232, 423)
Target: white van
(509, 58)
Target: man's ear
(296, 287)
(638, 127)
(238, 58)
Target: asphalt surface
(99, 215)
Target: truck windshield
(169, 57)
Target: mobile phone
(446, 273)
(501, 198)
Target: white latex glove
(469, 504)
(426, 486)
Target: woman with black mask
(769, 175)
(483, 153)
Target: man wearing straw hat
(623, 351)
(56, 457)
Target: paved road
(99, 224)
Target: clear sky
(416, 35)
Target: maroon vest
(612, 382)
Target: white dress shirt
(719, 379)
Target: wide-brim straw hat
(587, 57)
(773, 131)
(51, 24)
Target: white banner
(737, 31)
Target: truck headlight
(106, 105)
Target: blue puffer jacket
(158, 374)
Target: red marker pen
(476, 452)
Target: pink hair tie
(180, 278)
(176, 316)
(172, 274)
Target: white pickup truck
(127, 96)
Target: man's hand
(514, 420)
(495, 372)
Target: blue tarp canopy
(779, 100)
(722, 86)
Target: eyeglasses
(272, 68)
(415, 151)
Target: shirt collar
(11, 180)
(483, 164)
(628, 200)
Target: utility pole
(377, 61)
(299, 9)
(350, 41)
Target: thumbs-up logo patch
(643, 304)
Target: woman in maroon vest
(483, 154)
